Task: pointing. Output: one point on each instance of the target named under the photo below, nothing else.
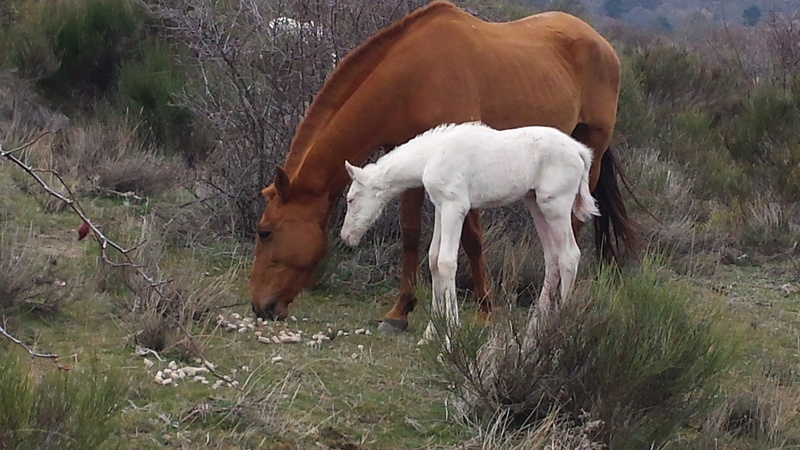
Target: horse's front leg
(472, 242)
(410, 222)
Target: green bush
(87, 38)
(767, 116)
(147, 83)
(631, 350)
(63, 409)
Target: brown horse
(437, 65)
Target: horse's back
(454, 67)
(494, 168)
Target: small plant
(64, 409)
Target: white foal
(470, 166)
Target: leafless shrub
(259, 77)
(783, 34)
(29, 279)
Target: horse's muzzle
(270, 312)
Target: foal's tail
(585, 207)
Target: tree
(751, 15)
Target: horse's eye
(264, 235)
(349, 200)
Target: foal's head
(365, 202)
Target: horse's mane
(348, 76)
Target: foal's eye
(264, 235)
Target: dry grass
(29, 279)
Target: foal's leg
(410, 222)
(437, 296)
(473, 246)
(550, 255)
(557, 211)
(452, 220)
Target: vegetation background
(164, 118)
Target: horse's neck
(347, 121)
(402, 168)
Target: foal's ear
(282, 184)
(352, 171)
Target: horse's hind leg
(437, 296)
(550, 255)
(557, 212)
(410, 222)
(472, 242)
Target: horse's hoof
(393, 325)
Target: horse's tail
(585, 207)
(613, 212)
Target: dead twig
(33, 353)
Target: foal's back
(483, 167)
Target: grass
(381, 395)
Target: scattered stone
(277, 359)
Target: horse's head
(365, 202)
(290, 242)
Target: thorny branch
(155, 286)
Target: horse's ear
(352, 171)
(269, 192)
(282, 184)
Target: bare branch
(34, 354)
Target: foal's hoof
(393, 325)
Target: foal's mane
(347, 78)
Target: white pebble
(166, 382)
(368, 333)
(236, 316)
(277, 359)
(294, 319)
(243, 330)
(159, 374)
(209, 365)
(147, 363)
(360, 331)
(173, 365)
(258, 333)
(204, 381)
(340, 333)
(246, 368)
(199, 378)
(265, 340)
(360, 347)
(354, 356)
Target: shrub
(74, 45)
(768, 116)
(29, 279)
(74, 409)
(630, 350)
(148, 83)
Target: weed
(74, 409)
